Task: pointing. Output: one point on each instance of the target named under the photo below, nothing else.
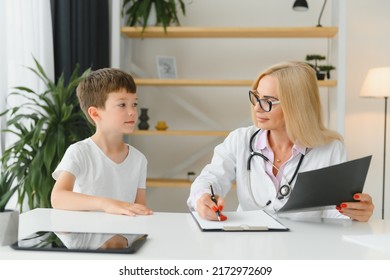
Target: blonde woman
(290, 137)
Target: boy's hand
(124, 208)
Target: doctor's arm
(221, 174)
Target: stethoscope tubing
(284, 189)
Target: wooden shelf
(181, 133)
(165, 182)
(191, 82)
(229, 32)
(218, 83)
(170, 183)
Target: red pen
(215, 201)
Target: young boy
(103, 173)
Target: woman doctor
(288, 137)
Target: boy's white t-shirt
(98, 175)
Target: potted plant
(9, 219)
(316, 58)
(138, 12)
(326, 69)
(45, 124)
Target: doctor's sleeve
(220, 172)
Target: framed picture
(166, 67)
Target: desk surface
(176, 236)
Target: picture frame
(166, 67)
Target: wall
(368, 45)
(227, 108)
(205, 108)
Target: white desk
(176, 236)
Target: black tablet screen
(82, 242)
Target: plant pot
(320, 76)
(9, 226)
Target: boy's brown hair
(94, 89)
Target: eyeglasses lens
(265, 105)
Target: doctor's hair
(94, 89)
(297, 86)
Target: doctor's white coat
(229, 165)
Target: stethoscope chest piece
(284, 191)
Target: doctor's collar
(262, 144)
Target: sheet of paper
(256, 220)
(328, 186)
(374, 241)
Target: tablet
(89, 242)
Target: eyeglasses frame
(270, 103)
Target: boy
(103, 173)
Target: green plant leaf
(44, 125)
(49, 151)
(138, 11)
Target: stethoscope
(285, 189)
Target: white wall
(367, 43)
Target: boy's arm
(140, 197)
(63, 197)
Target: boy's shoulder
(135, 152)
(82, 144)
(87, 148)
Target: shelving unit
(213, 32)
(211, 83)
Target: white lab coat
(229, 165)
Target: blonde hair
(300, 101)
(94, 89)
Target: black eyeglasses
(265, 104)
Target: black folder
(328, 186)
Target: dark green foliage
(316, 58)
(7, 188)
(321, 70)
(45, 124)
(138, 11)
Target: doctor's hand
(359, 211)
(207, 209)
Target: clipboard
(323, 188)
(257, 220)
